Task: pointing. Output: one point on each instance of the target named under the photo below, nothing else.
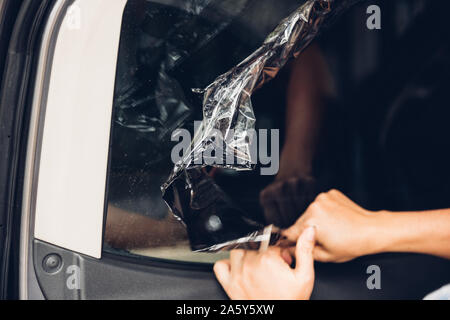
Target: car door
(20, 23)
(68, 169)
(112, 81)
(98, 88)
(91, 94)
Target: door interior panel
(121, 278)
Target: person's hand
(285, 199)
(344, 230)
(262, 276)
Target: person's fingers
(292, 233)
(342, 199)
(339, 197)
(223, 273)
(236, 261)
(291, 250)
(287, 256)
(321, 255)
(304, 254)
(274, 250)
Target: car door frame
(103, 276)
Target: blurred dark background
(385, 142)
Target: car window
(167, 48)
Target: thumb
(304, 266)
(223, 272)
(292, 233)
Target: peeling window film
(168, 48)
(228, 113)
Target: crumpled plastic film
(227, 108)
(228, 119)
(212, 220)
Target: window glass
(168, 48)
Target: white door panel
(75, 143)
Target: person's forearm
(309, 85)
(127, 230)
(425, 232)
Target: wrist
(392, 232)
(379, 234)
(297, 154)
(293, 166)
